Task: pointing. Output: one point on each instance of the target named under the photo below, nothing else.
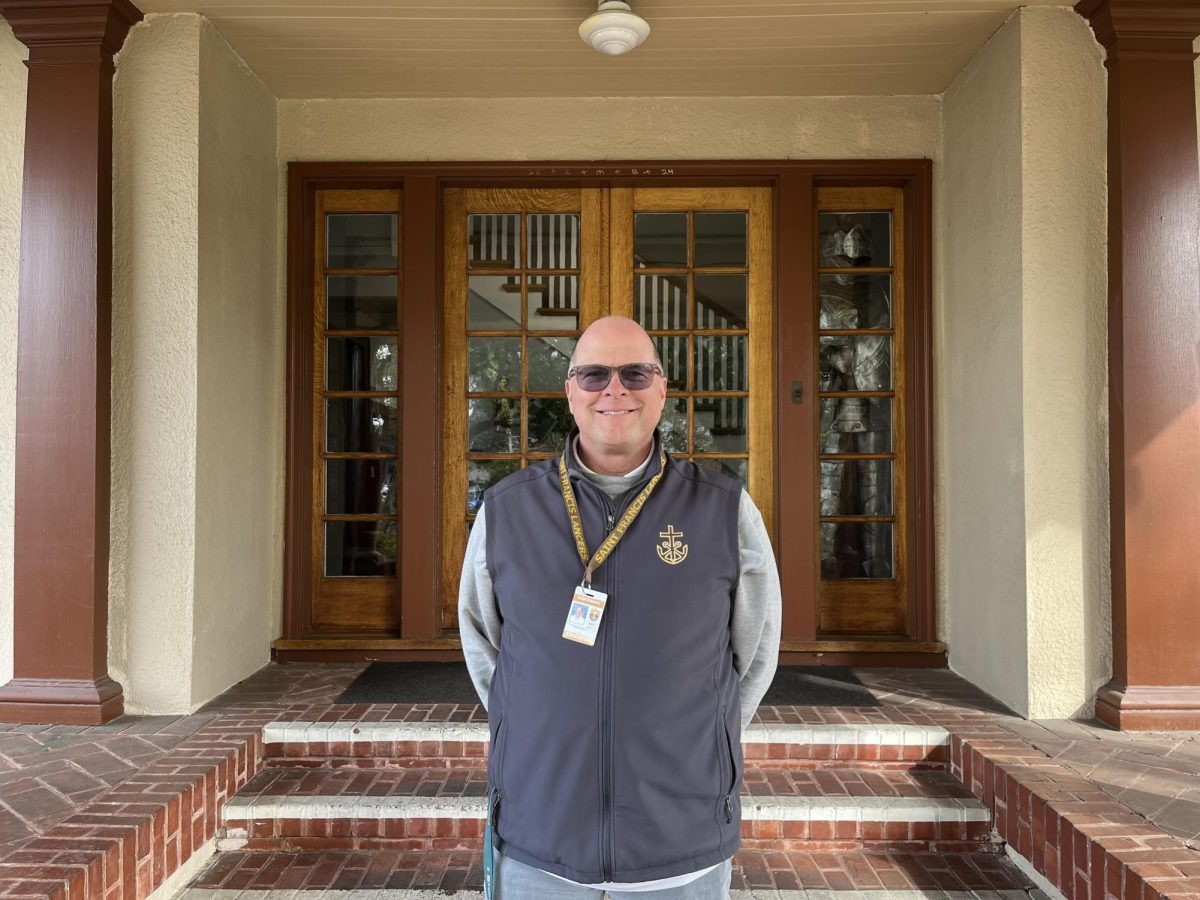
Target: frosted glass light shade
(614, 28)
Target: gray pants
(517, 881)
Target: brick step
(439, 808)
(462, 744)
(757, 875)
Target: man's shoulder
(527, 476)
(700, 475)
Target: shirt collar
(649, 465)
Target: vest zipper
(606, 865)
(606, 838)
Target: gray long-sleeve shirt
(757, 603)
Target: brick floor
(463, 869)
(1139, 788)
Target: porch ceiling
(530, 48)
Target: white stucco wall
(193, 291)
(12, 148)
(155, 302)
(240, 439)
(1064, 249)
(979, 452)
(1023, 377)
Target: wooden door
(527, 270)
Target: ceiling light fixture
(614, 28)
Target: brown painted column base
(1142, 708)
(32, 701)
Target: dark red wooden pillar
(1154, 370)
(60, 581)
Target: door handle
(797, 392)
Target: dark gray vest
(622, 761)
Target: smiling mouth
(615, 412)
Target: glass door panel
(861, 380)
(522, 272)
(694, 267)
(356, 411)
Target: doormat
(448, 682)
(817, 686)
(411, 682)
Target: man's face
(616, 419)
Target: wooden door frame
(794, 184)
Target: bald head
(616, 423)
(613, 334)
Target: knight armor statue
(854, 424)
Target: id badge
(583, 619)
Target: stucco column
(1154, 382)
(60, 575)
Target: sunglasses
(635, 376)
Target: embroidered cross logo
(672, 550)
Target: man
(615, 760)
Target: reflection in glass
(553, 240)
(360, 424)
(856, 362)
(494, 425)
(482, 474)
(855, 239)
(673, 352)
(720, 301)
(660, 302)
(856, 487)
(492, 241)
(734, 468)
(494, 364)
(720, 238)
(856, 425)
(355, 302)
(553, 302)
(721, 362)
(360, 549)
(721, 425)
(360, 486)
(660, 240)
(361, 240)
(495, 302)
(548, 359)
(856, 301)
(673, 426)
(365, 363)
(549, 422)
(856, 550)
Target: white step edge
(782, 808)
(757, 733)
(417, 894)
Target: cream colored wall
(1022, 440)
(240, 408)
(194, 446)
(978, 383)
(1064, 250)
(12, 149)
(155, 307)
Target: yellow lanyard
(626, 520)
